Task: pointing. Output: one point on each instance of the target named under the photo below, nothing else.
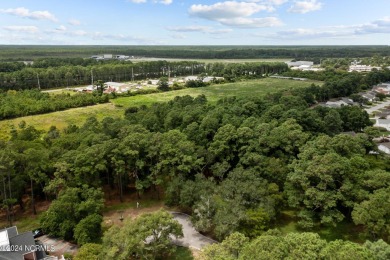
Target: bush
(88, 229)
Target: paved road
(192, 238)
(377, 107)
(59, 246)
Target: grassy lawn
(61, 119)
(259, 87)
(182, 253)
(144, 203)
(344, 230)
(23, 222)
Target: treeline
(70, 75)
(30, 102)
(230, 71)
(50, 62)
(64, 76)
(15, 53)
(340, 84)
(276, 246)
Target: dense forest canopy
(235, 165)
(25, 52)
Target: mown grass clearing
(259, 87)
(61, 119)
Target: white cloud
(74, 22)
(178, 36)
(252, 22)
(188, 28)
(165, 2)
(307, 6)
(24, 29)
(378, 26)
(220, 31)
(226, 10)
(269, 2)
(238, 14)
(61, 28)
(203, 29)
(26, 13)
(302, 34)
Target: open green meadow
(77, 116)
(61, 119)
(258, 87)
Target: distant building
(369, 96)
(339, 103)
(336, 104)
(210, 79)
(122, 57)
(384, 147)
(362, 68)
(188, 78)
(107, 56)
(385, 123)
(383, 88)
(116, 87)
(300, 63)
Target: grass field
(77, 116)
(61, 119)
(259, 87)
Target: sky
(195, 22)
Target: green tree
(229, 249)
(88, 251)
(148, 237)
(345, 250)
(89, 229)
(71, 206)
(163, 84)
(374, 213)
(380, 249)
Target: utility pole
(10, 196)
(169, 73)
(92, 77)
(132, 74)
(39, 85)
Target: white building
(383, 123)
(116, 87)
(299, 63)
(362, 68)
(210, 79)
(188, 78)
(384, 147)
